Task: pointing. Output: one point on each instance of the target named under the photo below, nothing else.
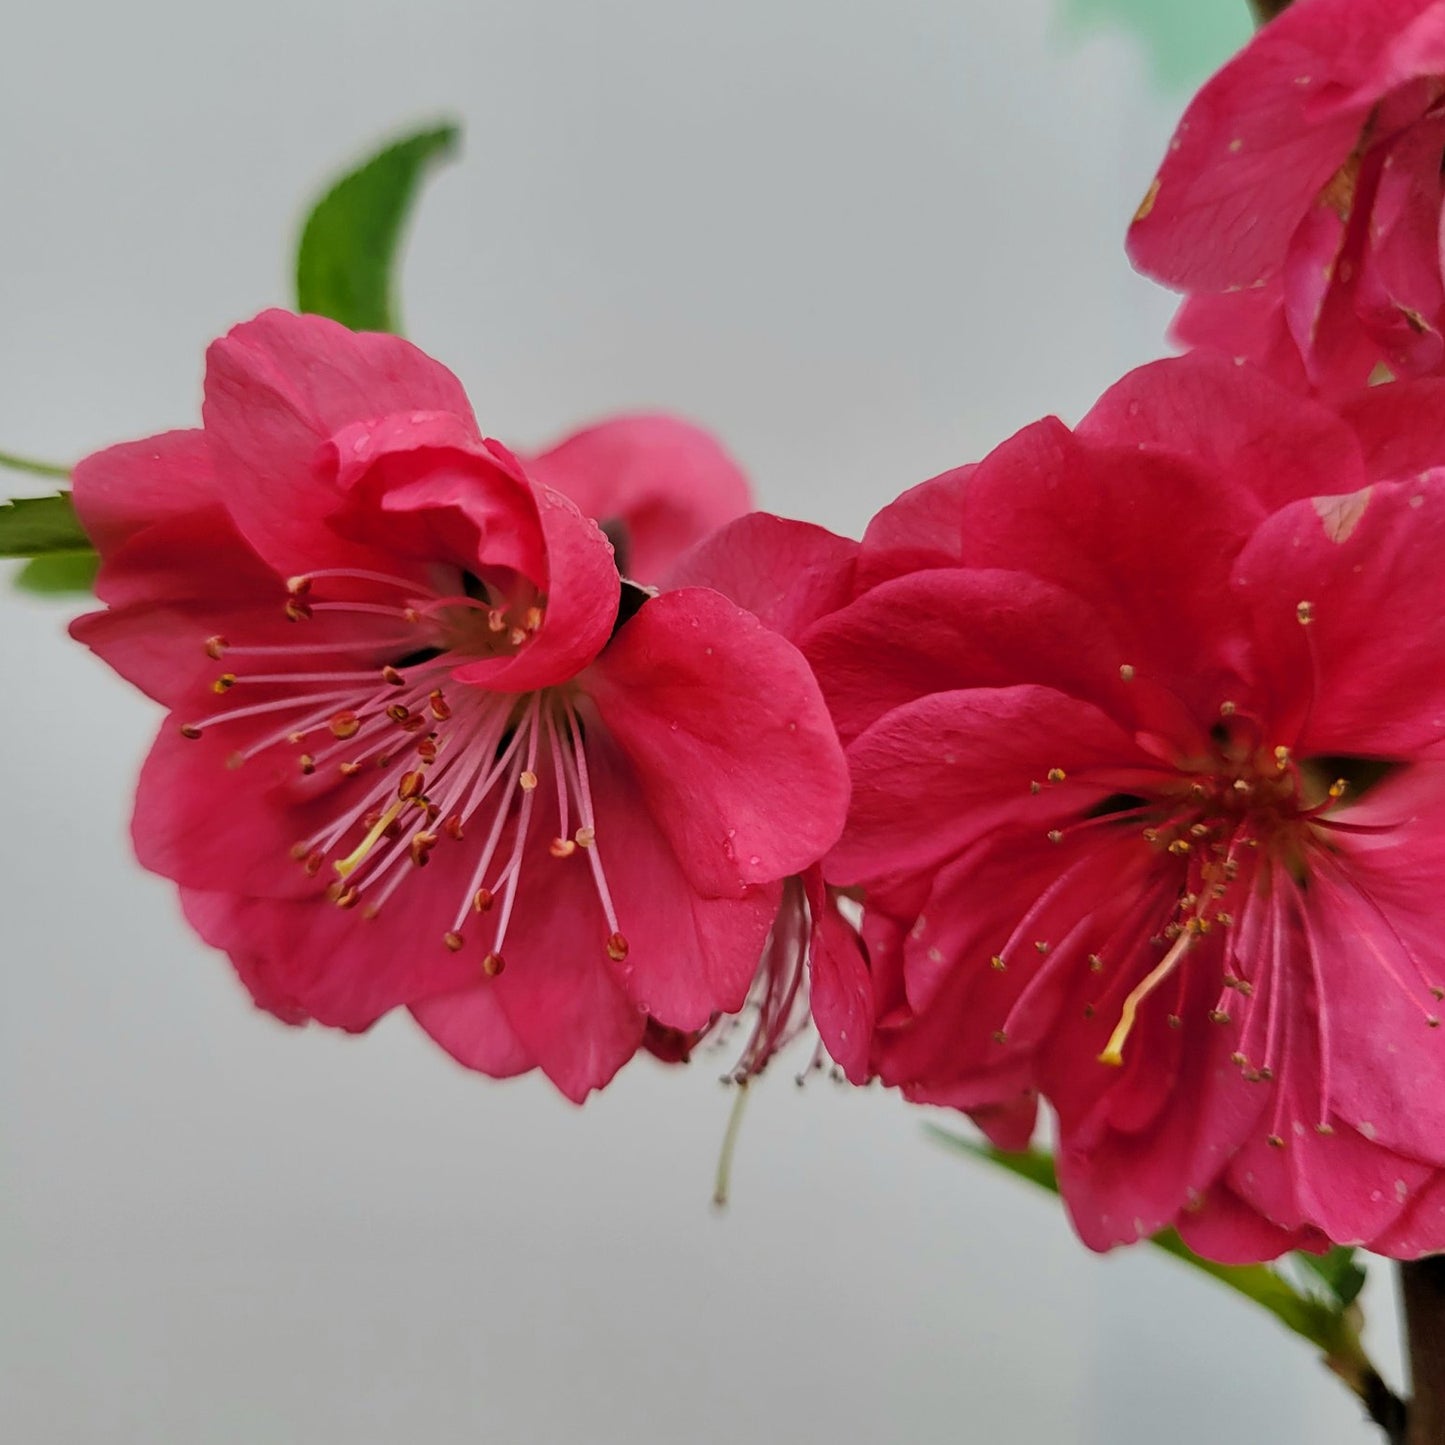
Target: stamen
(353, 860)
(1113, 1051)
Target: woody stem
(1422, 1291)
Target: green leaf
(345, 268)
(1341, 1275)
(31, 465)
(34, 526)
(59, 572)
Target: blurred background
(864, 242)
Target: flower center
(1244, 802)
(400, 758)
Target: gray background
(864, 242)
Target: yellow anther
(1056, 775)
(1305, 613)
(527, 780)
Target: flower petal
(1229, 418)
(125, 489)
(1336, 689)
(729, 738)
(938, 630)
(935, 775)
(787, 574)
(666, 482)
(279, 386)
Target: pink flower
(790, 575)
(655, 485)
(1300, 201)
(1149, 801)
(425, 747)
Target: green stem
(35, 468)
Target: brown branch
(1422, 1295)
(1266, 10)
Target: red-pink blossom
(1300, 200)
(790, 575)
(1149, 802)
(426, 748)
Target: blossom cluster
(1106, 773)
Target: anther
(1228, 709)
(1325, 1129)
(1126, 672)
(348, 770)
(1281, 757)
(1218, 1016)
(296, 610)
(224, 683)
(215, 646)
(493, 964)
(585, 837)
(1036, 787)
(190, 730)
(306, 763)
(1056, 775)
(561, 847)
(426, 749)
(1055, 835)
(532, 619)
(1000, 1037)
(453, 941)
(997, 963)
(392, 676)
(438, 704)
(1339, 788)
(345, 725)
(1305, 613)
(496, 621)
(1432, 1021)
(517, 636)
(616, 947)
(482, 900)
(1042, 945)
(1274, 1141)
(347, 897)
(411, 786)
(1096, 964)
(420, 848)
(453, 828)
(298, 586)
(527, 780)
(312, 862)
(398, 712)
(1180, 846)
